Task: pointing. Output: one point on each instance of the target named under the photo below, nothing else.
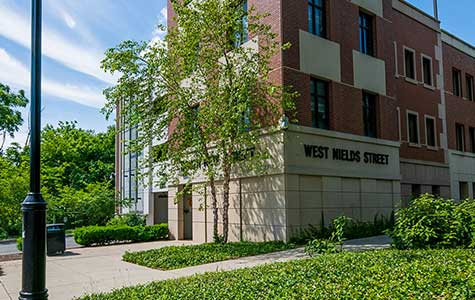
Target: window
(319, 103)
(470, 87)
(413, 127)
(427, 70)
(457, 82)
(463, 190)
(316, 17)
(471, 132)
(430, 132)
(410, 63)
(369, 115)
(415, 190)
(436, 190)
(460, 137)
(366, 34)
(242, 35)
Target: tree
(10, 116)
(213, 93)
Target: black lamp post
(34, 207)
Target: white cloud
(16, 27)
(15, 74)
(68, 19)
(159, 33)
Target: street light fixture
(34, 207)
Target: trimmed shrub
(19, 244)
(433, 222)
(175, 257)
(3, 234)
(387, 274)
(131, 219)
(104, 235)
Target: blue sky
(77, 32)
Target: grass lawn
(386, 274)
(176, 257)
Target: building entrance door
(188, 217)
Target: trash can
(55, 239)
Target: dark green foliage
(353, 229)
(3, 234)
(19, 243)
(104, 235)
(388, 274)
(175, 257)
(10, 114)
(131, 219)
(432, 222)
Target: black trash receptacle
(56, 239)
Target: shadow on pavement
(1, 271)
(65, 254)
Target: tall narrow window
(463, 190)
(427, 70)
(460, 137)
(369, 115)
(457, 82)
(430, 132)
(470, 87)
(366, 34)
(319, 104)
(409, 63)
(413, 128)
(242, 34)
(316, 17)
(471, 132)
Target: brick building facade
(386, 111)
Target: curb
(9, 241)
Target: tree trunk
(214, 207)
(226, 180)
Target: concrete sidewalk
(101, 269)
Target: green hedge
(175, 257)
(433, 222)
(388, 274)
(19, 243)
(103, 235)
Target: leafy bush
(3, 234)
(103, 235)
(19, 244)
(175, 257)
(432, 222)
(321, 246)
(387, 274)
(334, 243)
(353, 229)
(131, 219)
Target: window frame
(462, 148)
(314, 98)
(470, 87)
(367, 110)
(431, 78)
(410, 79)
(459, 87)
(416, 114)
(371, 30)
(312, 28)
(432, 147)
(471, 135)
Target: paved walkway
(92, 270)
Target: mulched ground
(10, 257)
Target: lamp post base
(34, 296)
(34, 248)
